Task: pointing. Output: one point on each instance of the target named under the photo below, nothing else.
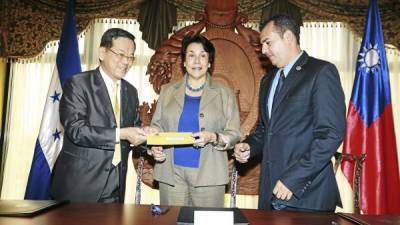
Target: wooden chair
(339, 157)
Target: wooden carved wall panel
(236, 63)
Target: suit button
(107, 169)
(201, 115)
(202, 129)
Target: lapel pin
(298, 68)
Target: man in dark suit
(301, 124)
(99, 112)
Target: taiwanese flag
(370, 128)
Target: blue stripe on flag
(68, 61)
(40, 171)
(49, 141)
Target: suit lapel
(295, 73)
(101, 91)
(179, 93)
(124, 99)
(209, 93)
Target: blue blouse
(188, 156)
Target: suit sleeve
(329, 111)
(257, 138)
(231, 132)
(74, 117)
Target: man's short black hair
(113, 33)
(283, 23)
(198, 38)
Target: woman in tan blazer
(195, 175)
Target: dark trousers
(111, 191)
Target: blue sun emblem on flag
(369, 58)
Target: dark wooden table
(127, 214)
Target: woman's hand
(204, 137)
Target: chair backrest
(358, 161)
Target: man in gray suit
(301, 124)
(99, 112)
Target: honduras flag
(49, 142)
(370, 128)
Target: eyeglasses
(121, 56)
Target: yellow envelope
(170, 138)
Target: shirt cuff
(117, 138)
